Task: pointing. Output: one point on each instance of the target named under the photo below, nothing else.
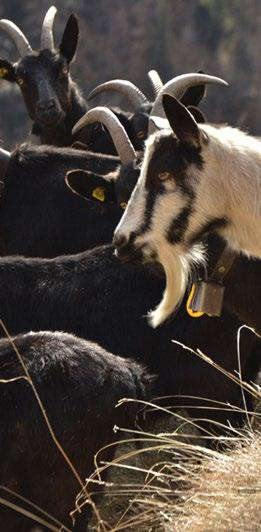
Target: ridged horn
(17, 36)
(47, 40)
(156, 81)
(125, 87)
(4, 161)
(177, 87)
(118, 134)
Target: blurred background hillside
(126, 38)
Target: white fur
(228, 186)
(177, 267)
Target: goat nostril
(119, 241)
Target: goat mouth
(128, 255)
(50, 122)
(135, 255)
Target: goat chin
(177, 267)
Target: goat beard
(177, 265)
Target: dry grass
(180, 483)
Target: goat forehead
(44, 60)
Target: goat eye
(141, 134)
(123, 205)
(20, 81)
(163, 176)
(65, 70)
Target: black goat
(39, 216)
(52, 99)
(79, 384)
(94, 296)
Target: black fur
(94, 296)
(79, 384)
(54, 101)
(39, 216)
(209, 227)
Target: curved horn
(4, 161)
(156, 81)
(177, 86)
(17, 35)
(47, 29)
(134, 95)
(118, 134)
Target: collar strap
(223, 265)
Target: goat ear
(7, 71)
(197, 113)
(90, 186)
(70, 38)
(181, 121)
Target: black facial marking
(169, 155)
(172, 156)
(179, 225)
(210, 227)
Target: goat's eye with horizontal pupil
(20, 81)
(123, 205)
(163, 176)
(141, 134)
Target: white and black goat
(198, 180)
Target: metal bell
(208, 298)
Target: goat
(93, 296)
(187, 199)
(79, 384)
(39, 216)
(53, 100)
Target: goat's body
(79, 384)
(40, 216)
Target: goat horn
(134, 95)
(4, 161)
(47, 29)
(17, 35)
(118, 134)
(177, 86)
(156, 81)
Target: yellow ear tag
(192, 313)
(3, 72)
(99, 193)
